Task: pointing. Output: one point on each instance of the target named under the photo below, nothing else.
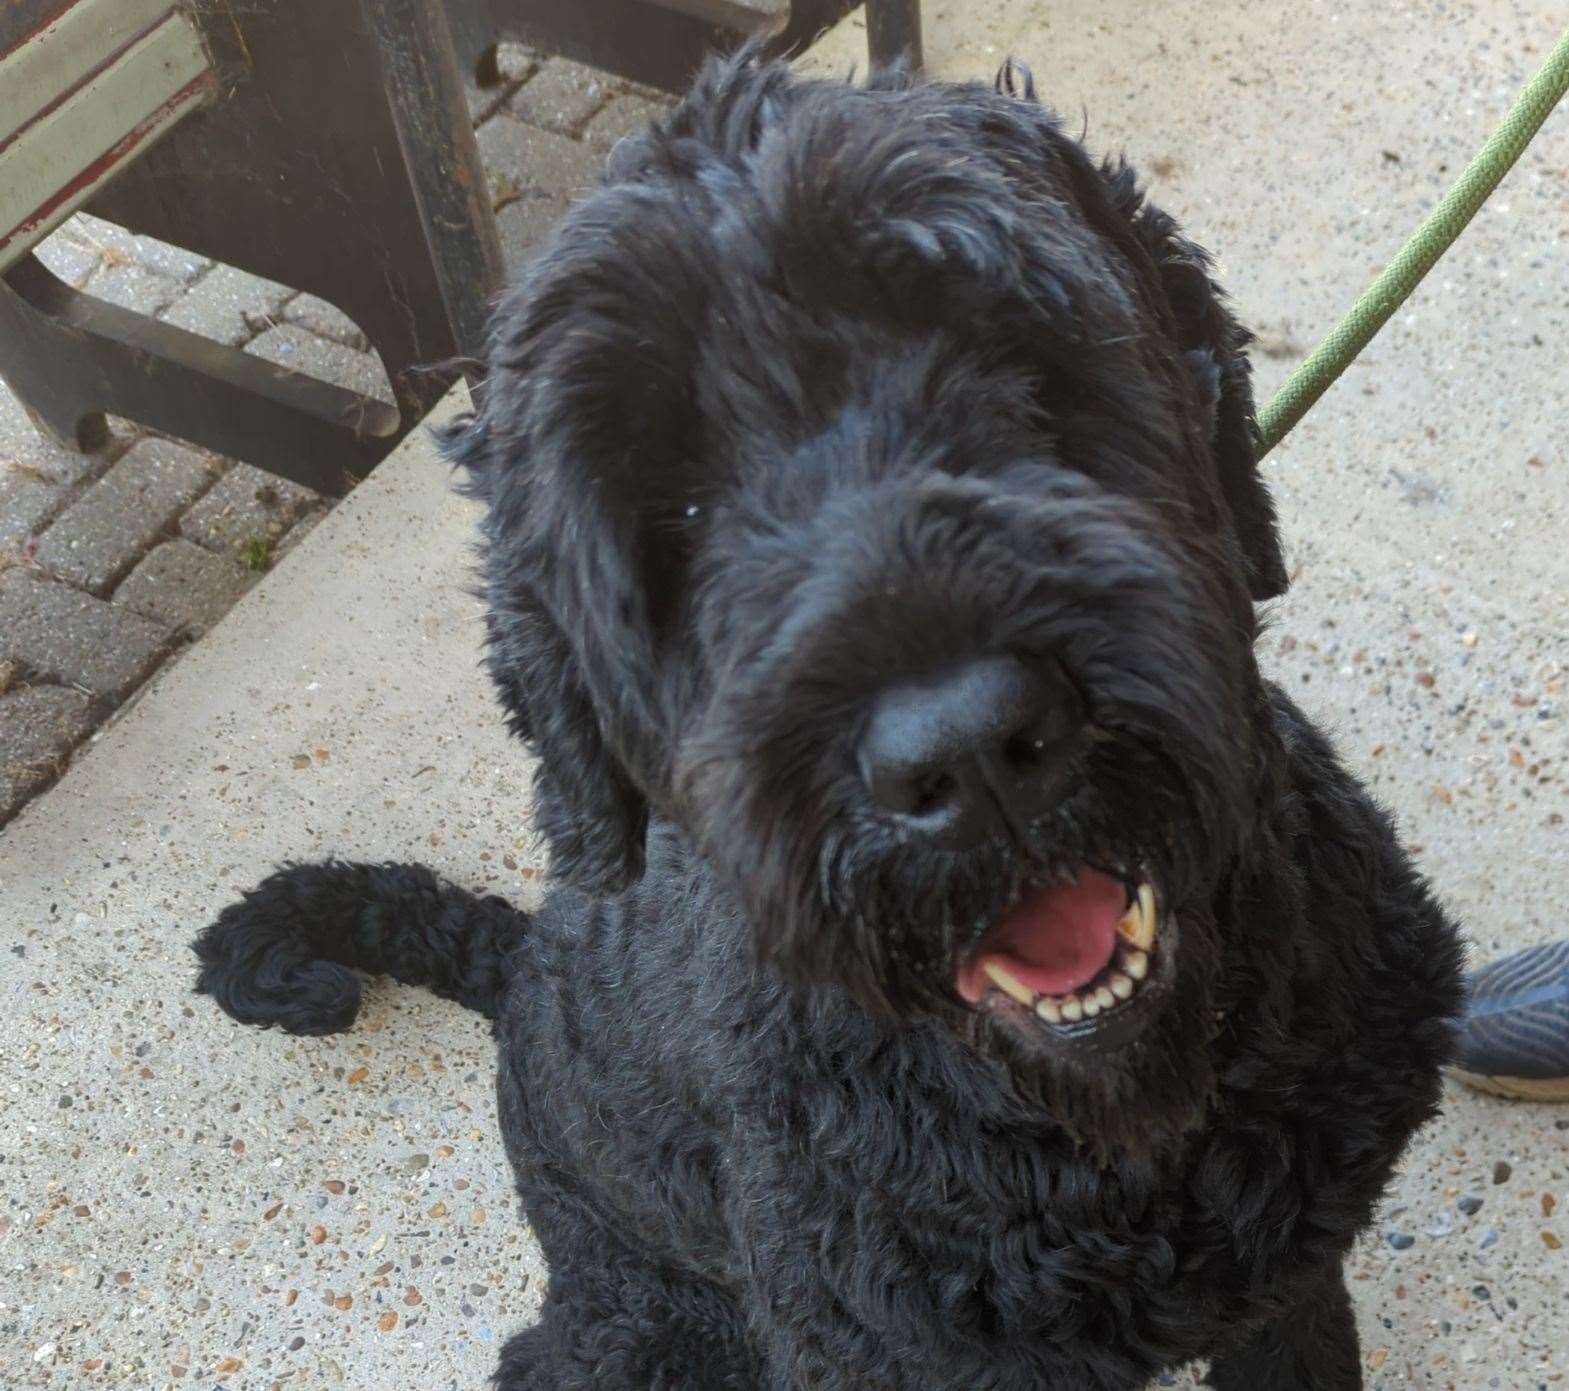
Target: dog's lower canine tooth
(1072, 1010)
(1121, 986)
(1137, 965)
(1004, 981)
(1049, 1011)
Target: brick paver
(325, 320)
(523, 161)
(622, 116)
(39, 726)
(119, 245)
(290, 346)
(25, 449)
(133, 286)
(246, 506)
(561, 96)
(298, 532)
(66, 253)
(228, 305)
(59, 634)
(523, 225)
(183, 586)
(26, 503)
(101, 535)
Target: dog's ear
(1214, 349)
(578, 453)
(592, 815)
(571, 450)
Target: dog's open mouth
(1081, 957)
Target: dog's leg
(629, 1326)
(1312, 1346)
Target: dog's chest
(1012, 1252)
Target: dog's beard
(833, 906)
(1143, 1099)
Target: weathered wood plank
(57, 161)
(62, 55)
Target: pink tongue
(1053, 941)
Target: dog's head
(871, 492)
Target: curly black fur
(829, 386)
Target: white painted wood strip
(65, 51)
(80, 144)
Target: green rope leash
(1418, 256)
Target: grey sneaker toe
(1514, 1037)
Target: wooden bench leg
(893, 33)
(70, 357)
(420, 74)
(296, 173)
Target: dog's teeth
(1137, 965)
(1137, 925)
(1147, 912)
(1121, 986)
(1104, 998)
(1049, 1011)
(1003, 979)
(1072, 1010)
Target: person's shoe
(1514, 1036)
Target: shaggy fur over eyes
(871, 549)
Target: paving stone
(482, 101)
(246, 506)
(625, 115)
(530, 166)
(289, 345)
(132, 286)
(68, 254)
(298, 532)
(182, 586)
(60, 634)
(515, 64)
(103, 533)
(521, 161)
(522, 225)
(228, 305)
(325, 320)
(121, 245)
(24, 448)
(27, 502)
(561, 96)
(39, 726)
(31, 451)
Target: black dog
(965, 970)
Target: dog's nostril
(951, 754)
(932, 792)
(1025, 751)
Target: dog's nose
(973, 749)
